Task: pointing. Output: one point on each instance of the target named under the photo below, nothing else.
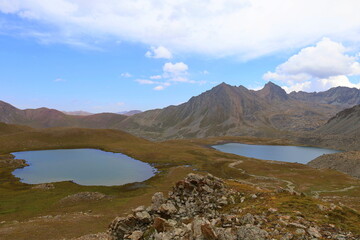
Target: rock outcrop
(204, 208)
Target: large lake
(83, 166)
(277, 153)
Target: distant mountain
(230, 110)
(346, 122)
(44, 118)
(77, 113)
(342, 96)
(272, 92)
(223, 110)
(130, 113)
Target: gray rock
(157, 200)
(247, 219)
(314, 232)
(143, 217)
(250, 232)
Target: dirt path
(289, 185)
(317, 193)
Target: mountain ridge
(231, 110)
(222, 110)
(46, 117)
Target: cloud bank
(318, 68)
(242, 28)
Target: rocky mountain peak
(271, 91)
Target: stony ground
(346, 162)
(206, 208)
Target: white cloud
(317, 68)
(159, 52)
(173, 73)
(126, 75)
(205, 72)
(159, 87)
(243, 28)
(146, 81)
(156, 77)
(176, 68)
(176, 72)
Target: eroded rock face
(201, 208)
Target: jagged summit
(272, 91)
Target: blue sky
(114, 56)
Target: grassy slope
(19, 202)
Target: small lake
(278, 153)
(82, 166)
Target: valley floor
(28, 213)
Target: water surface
(277, 153)
(83, 166)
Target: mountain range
(223, 110)
(231, 110)
(45, 117)
(342, 96)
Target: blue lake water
(277, 153)
(83, 166)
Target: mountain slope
(44, 118)
(230, 110)
(6, 129)
(345, 122)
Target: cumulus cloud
(175, 69)
(176, 72)
(159, 52)
(244, 28)
(317, 68)
(173, 73)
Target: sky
(114, 56)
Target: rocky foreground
(205, 208)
